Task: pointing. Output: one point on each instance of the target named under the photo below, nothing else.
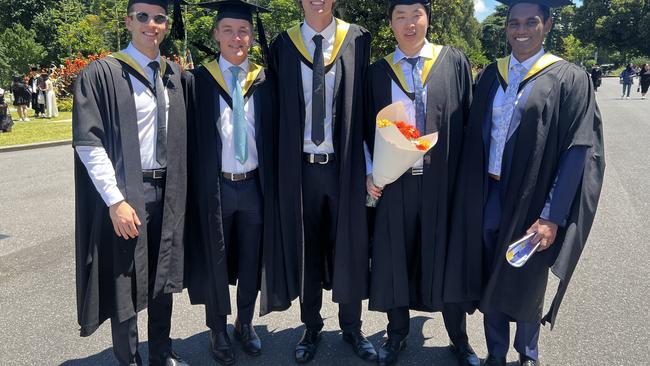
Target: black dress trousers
(125, 334)
(242, 213)
(320, 212)
(399, 318)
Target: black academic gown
(560, 112)
(449, 95)
(104, 115)
(347, 263)
(210, 267)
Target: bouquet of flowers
(398, 145)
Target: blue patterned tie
(416, 74)
(503, 126)
(518, 72)
(239, 119)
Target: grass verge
(38, 130)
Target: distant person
(5, 117)
(644, 80)
(596, 76)
(50, 98)
(33, 83)
(41, 88)
(627, 79)
(22, 97)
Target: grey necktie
(420, 114)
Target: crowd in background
(36, 90)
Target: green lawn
(38, 130)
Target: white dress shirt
(498, 139)
(397, 95)
(225, 125)
(99, 166)
(329, 35)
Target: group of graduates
(235, 173)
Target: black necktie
(318, 94)
(161, 112)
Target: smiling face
(146, 37)
(317, 8)
(526, 29)
(234, 37)
(409, 24)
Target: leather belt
(154, 174)
(239, 177)
(494, 177)
(318, 158)
(417, 171)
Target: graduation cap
(239, 9)
(393, 3)
(546, 3)
(178, 28)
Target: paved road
(604, 319)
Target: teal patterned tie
(239, 119)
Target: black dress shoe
(306, 348)
(361, 345)
(495, 361)
(167, 359)
(389, 351)
(528, 362)
(174, 360)
(465, 355)
(221, 348)
(251, 343)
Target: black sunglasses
(143, 17)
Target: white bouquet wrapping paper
(394, 154)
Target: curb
(37, 145)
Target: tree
(563, 26)
(55, 26)
(575, 51)
(22, 12)
(493, 34)
(615, 25)
(84, 35)
(18, 50)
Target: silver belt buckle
(327, 159)
(158, 174)
(417, 171)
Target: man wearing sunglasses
(129, 135)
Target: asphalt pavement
(603, 321)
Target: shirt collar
(329, 33)
(224, 65)
(425, 52)
(140, 57)
(528, 64)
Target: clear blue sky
(483, 8)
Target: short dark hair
(427, 10)
(545, 10)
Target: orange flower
(421, 144)
(409, 131)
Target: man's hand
(125, 220)
(373, 190)
(546, 232)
